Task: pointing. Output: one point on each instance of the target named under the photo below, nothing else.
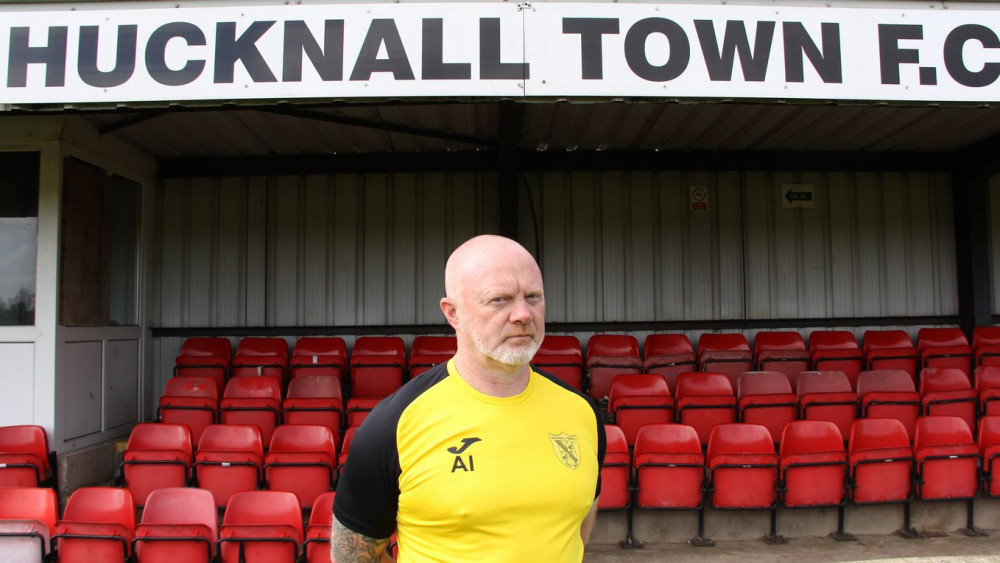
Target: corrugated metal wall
(615, 246)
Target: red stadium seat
(881, 461)
(889, 394)
(947, 391)
(429, 351)
(987, 379)
(97, 525)
(724, 353)
(561, 356)
(742, 466)
(813, 464)
(704, 400)
(191, 401)
(989, 449)
(318, 355)
(944, 348)
(157, 455)
(252, 400)
(986, 345)
(258, 356)
(766, 398)
(781, 351)
(668, 355)
(637, 399)
(25, 459)
(345, 447)
(314, 399)
(27, 521)
(316, 548)
(261, 526)
(178, 526)
(302, 460)
(358, 409)
(230, 459)
(947, 459)
(889, 350)
(669, 467)
(836, 350)
(616, 482)
(377, 364)
(205, 357)
(607, 356)
(827, 395)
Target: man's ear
(450, 311)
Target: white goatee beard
(503, 353)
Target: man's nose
(521, 312)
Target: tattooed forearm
(349, 546)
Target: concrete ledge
(87, 467)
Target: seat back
(191, 401)
(781, 351)
(345, 447)
(261, 356)
(765, 397)
(668, 355)
(743, 467)
(944, 348)
(704, 400)
(27, 521)
(252, 400)
(157, 455)
(318, 355)
(889, 394)
(889, 350)
(607, 356)
(827, 395)
(727, 353)
(637, 399)
(302, 460)
(261, 526)
(669, 467)
(377, 365)
(316, 547)
(97, 525)
(615, 471)
(836, 350)
(207, 347)
(24, 456)
(230, 459)
(947, 391)
(989, 449)
(947, 458)
(986, 345)
(881, 461)
(987, 379)
(429, 351)
(314, 400)
(932, 337)
(561, 356)
(205, 357)
(178, 525)
(813, 464)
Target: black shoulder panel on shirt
(368, 490)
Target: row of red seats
(786, 351)
(668, 469)
(705, 400)
(302, 460)
(25, 458)
(178, 525)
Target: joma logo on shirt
(459, 463)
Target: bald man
(481, 458)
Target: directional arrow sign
(797, 196)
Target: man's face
(503, 313)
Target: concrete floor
(950, 548)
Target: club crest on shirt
(567, 449)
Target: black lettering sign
(156, 54)
(719, 61)
(592, 32)
(382, 31)
(635, 49)
(53, 56)
(955, 65)
(328, 61)
(827, 63)
(433, 66)
(891, 55)
(490, 67)
(124, 57)
(229, 50)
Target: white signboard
(117, 52)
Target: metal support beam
(972, 251)
(509, 167)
